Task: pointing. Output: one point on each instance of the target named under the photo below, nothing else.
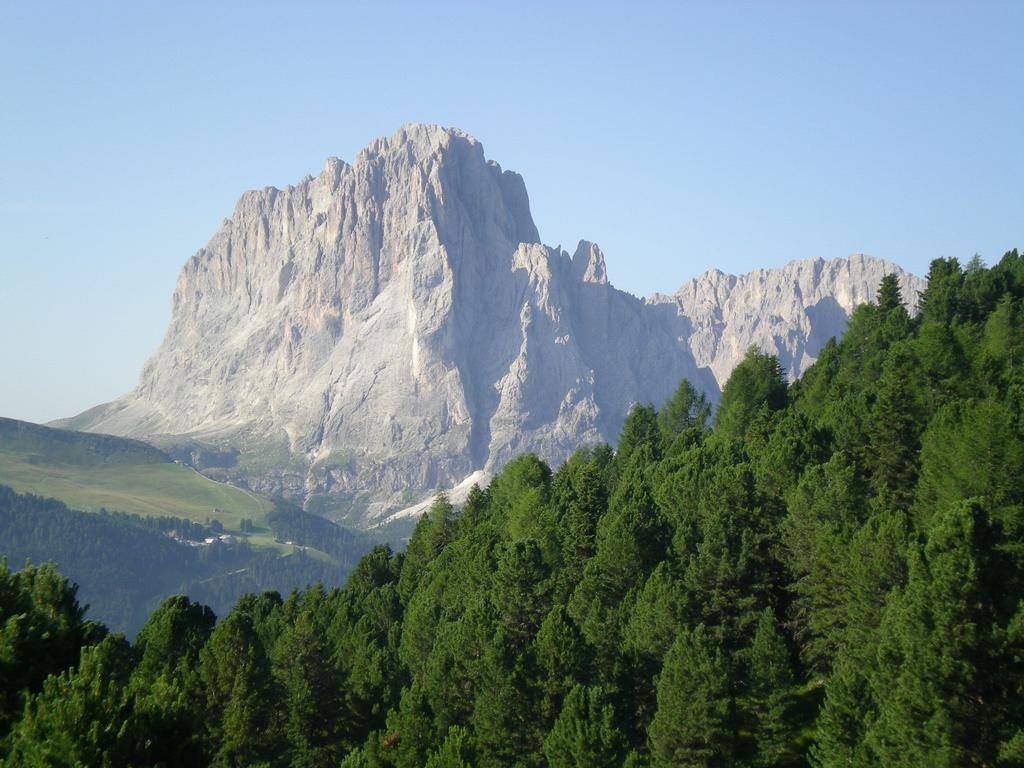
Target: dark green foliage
(427, 541)
(41, 632)
(941, 302)
(562, 658)
(768, 696)
(889, 295)
(291, 523)
(309, 683)
(172, 638)
(631, 538)
(585, 734)
(695, 721)
(756, 383)
(81, 716)
(455, 752)
(687, 409)
(833, 575)
(894, 428)
(641, 431)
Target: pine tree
(562, 658)
(42, 629)
(172, 638)
(755, 383)
(240, 692)
(640, 431)
(936, 708)
(895, 427)
(521, 590)
(652, 626)
(941, 300)
(165, 683)
(768, 695)
(687, 409)
(311, 689)
(631, 539)
(585, 734)
(410, 729)
(825, 510)
(694, 724)
(845, 715)
(504, 722)
(889, 295)
(583, 500)
(455, 751)
(429, 538)
(81, 717)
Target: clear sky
(678, 136)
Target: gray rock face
(395, 325)
(790, 312)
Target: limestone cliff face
(394, 325)
(791, 311)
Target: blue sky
(679, 136)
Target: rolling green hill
(124, 564)
(93, 472)
(131, 526)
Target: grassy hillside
(126, 564)
(92, 472)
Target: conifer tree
(686, 409)
(825, 511)
(310, 688)
(631, 539)
(694, 724)
(172, 638)
(42, 628)
(755, 383)
(585, 734)
(240, 692)
(81, 717)
(768, 695)
(428, 539)
(936, 707)
(563, 660)
(504, 722)
(640, 431)
(895, 427)
(889, 295)
(455, 751)
(940, 302)
(410, 729)
(585, 499)
(845, 714)
(166, 685)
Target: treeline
(291, 523)
(829, 573)
(126, 564)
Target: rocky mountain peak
(394, 325)
(588, 264)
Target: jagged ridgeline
(395, 325)
(828, 572)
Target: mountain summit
(395, 325)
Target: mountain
(790, 312)
(395, 325)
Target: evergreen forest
(824, 573)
